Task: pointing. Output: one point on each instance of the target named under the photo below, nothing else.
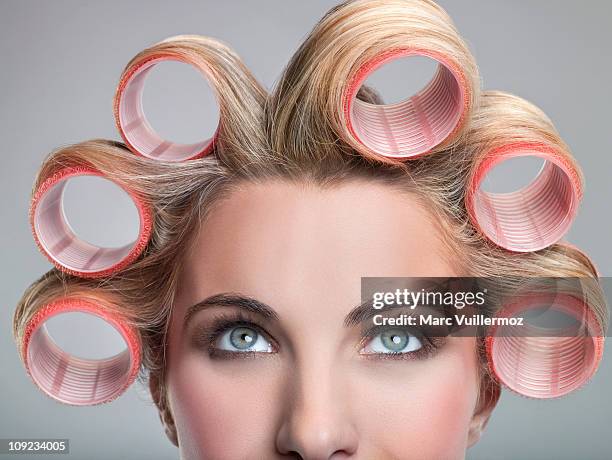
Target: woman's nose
(316, 422)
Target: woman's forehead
(280, 241)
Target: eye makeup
(429, 345)
(208, 334)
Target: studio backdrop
(122, 121)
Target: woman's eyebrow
(358, 314)
(231, 299)
(362, 312)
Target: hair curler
(322, 82)
(428, 119)
(72, 379)
(539, 214)
(60, 244)
(418, 124)
(539, 362)
(211, 57)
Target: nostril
(340, 455)
(337, 455)
(319, 452)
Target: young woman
(240, 301)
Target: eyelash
(224, 322)
(429, 345)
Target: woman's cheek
(400, 409)
(223, 410)
(417, 410)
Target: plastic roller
(59, 242)
(220, 66)
(540, 213)
(534, 216)
(541, 361)
(430, 120)
(75, 380)
(328, 71)
(419, 123)
(133, 125)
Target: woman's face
(261, 361)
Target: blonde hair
(298, 133)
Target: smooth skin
(292, 380)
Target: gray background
(60, 62)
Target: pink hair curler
(71, 379)
(62, 246)
(535, 216)
(133, 125)
(535, 364)
(417, 125)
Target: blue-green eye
(243, 338)
(393, 341)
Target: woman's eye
(243, 338)
(393, 341)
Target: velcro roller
(431, 119)
(326, 74)
(418, 124)
(72, 379)
(539, 214)
(62, 246)
(220, 66)
(546, 362)
(134, 127)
